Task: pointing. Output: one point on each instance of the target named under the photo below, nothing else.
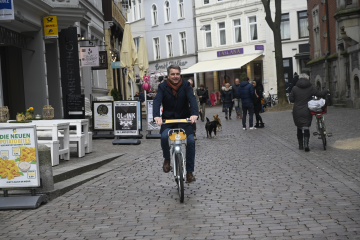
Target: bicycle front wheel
(180, 176)
(322, 134)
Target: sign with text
(89, 56)
(69, 64)
(75, 105)
(259, 47)
(19, 164)
(7, 10)
(103, 116)
(103, 61)
(150, 118)
(50, 27)
(230, 52)
(116, 65)
(126, 118)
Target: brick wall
(332, 25)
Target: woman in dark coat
(259, 90)
(227, 98)
(300, 95)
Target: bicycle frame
(176, 147)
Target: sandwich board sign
(126, 118)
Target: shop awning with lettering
(220, 64)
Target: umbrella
(128, 55)
(143, 60)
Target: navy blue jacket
(235, 89)
(246, 92)
(175, 108)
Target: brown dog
(216, 118)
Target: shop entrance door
(12, 79)
(288, 69)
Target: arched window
(167, 11)
(154, 15)
(318, 85)
(181, 9)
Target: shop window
(356, 87)
(303, 24)
(285, 27)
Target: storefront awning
(304, 55)
(220, 64)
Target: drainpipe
(327, 66)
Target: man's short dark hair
(246, 79)
(173, 67)
(202, 85)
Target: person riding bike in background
(175, 95)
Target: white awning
(220, 64)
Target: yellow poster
(50, 27)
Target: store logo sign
(230, 52)
(7, 8)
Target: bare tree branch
(268, 18)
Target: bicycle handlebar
(172, 121)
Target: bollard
(46, 173)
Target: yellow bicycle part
(177, 136)
(176, 121)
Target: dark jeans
(190, 149)
(226, 111)
(258, 117)
(248, 107)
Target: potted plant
(20, 117)
(30, 113)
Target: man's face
(237, 81)
(174, 75)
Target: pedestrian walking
(259, 89)
(237, 99)
(246, 93)
(203, 96)
(294, 81)
(197, 101)
(227, 99)
(300, 95)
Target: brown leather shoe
(166, 165)
(190, 177)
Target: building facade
(334, 38)
(30, 67)
(170, 34)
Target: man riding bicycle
(175, 95)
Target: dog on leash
(211, 127)
(216, 118)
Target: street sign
(7, 10)
(50, 27)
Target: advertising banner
(103, 116)
(150, 118)
(50, 27)
(19, 165)
(7, 10)
(126, 118)
(89, 56)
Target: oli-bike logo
(126, 120)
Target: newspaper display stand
(126, 123)
(151, 125)
(19, 164)
(103, 119)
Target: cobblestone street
(250, 185)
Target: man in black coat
(203, 96)
(175, 95)
(247, 94)
(237, 99)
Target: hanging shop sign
(50, 27)
(89, 56)
(7, 10)
(69, 65)
(230, 52)
(126, 118)
(103, 61)
(116, 65)
(150, 117)
(19, 163)
(103, 116)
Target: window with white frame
(183, 43)
(169, 46)
(253, 28)
(181, 8)
(154, 15)
(285, 27)
(134, 10)
(137, 41)
(208, 41)
(167, 11)
(140, 13)
(222, 33)
(237, 30)
(156, 48)
(206, 2)
(303, 24)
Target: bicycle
(320, 126)
(177, 138)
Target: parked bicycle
(178, 138)
(270, 99)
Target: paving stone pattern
(250, 185)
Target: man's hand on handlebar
(158, 120)
(193, 118)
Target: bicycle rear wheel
(322, 134)
(180, 176)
